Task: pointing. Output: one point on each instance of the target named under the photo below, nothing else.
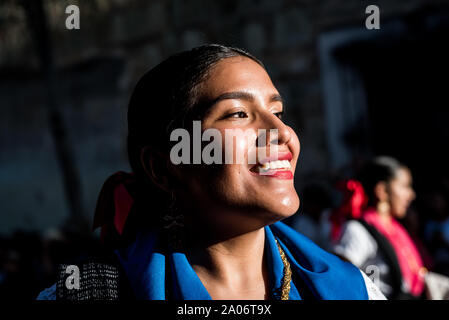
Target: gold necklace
(287, 277)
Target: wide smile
(274, 167)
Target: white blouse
(358, 246)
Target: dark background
(351, 93)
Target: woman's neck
(384, 214)
(233, 268)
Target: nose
(274, 131)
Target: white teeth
(277, 164)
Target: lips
(280, 174)
(277, 166)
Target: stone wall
(100, 63)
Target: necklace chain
(287, 277)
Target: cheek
(203, 185)
(399, 199)
(239, 147)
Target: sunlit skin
(228, 205)
(401, 193)
(398, 193)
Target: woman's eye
(279, 114)
(239, 114)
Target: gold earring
(383, 207)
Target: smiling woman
(213, 231)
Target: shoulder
(356, 243)
(328, 276)
(354, 228)
(94, 278)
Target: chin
(286, 208)
(400, 214)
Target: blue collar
(324, 275)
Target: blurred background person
(376, 238)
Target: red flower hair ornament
(354, 202)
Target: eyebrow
(204, 107)
(242, 95)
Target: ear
(380, 191)
(155, 164)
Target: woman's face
(240, 195)
(401, 193)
